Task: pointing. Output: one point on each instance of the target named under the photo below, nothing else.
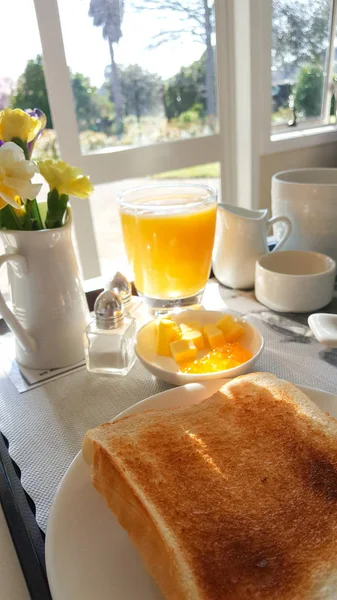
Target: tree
(141, 90)
(300, 38)
(105, 113)
(197, 20)
(6, 91)
(83, 93)
(108, 14)
(300, 33)
(309, 90)
(280, 95)
(31, 89)
(186, 89)
(92, 110)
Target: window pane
(300, 39)
(142, 71)
(105, 214)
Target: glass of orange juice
(169, 234)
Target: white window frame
(252, 21)
(319, 122)
(312, 132)
(115, 165)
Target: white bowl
(294, 280)
(167, 369)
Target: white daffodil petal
(15, 175)
(31, 191)
(14, 183)
(22, 188)
(10, 153)
(24, 169)
(8, 199)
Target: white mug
(308, 197)
(241, 239)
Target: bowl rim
(330, 269)
(225, 374)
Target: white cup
(294, 281)
(308, 197)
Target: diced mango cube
(214, 336)
(167, 332)
(194, 336)
(231, 329)
(183, 350)
(193, 326)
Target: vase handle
(27, 342)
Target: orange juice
(170, 251)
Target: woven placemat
(45, 426)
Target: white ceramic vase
(50, 311)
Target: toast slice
(231, 499)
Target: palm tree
(108, 14)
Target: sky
(86, 51)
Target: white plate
(88, 554)
(166, 369)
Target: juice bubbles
(169, 241)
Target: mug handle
(26, 340)
(287, 233)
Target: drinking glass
(169, 232)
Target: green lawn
(209, 171)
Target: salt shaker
(110, 337)
(122, 287)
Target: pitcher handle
(287, 233)
(26, 340)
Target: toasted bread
(231, 499)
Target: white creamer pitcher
(50, 311)
(241, 240)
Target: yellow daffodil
(65, 179)
(15, 175)
(18, 124)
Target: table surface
(45, 426)
(13, 586)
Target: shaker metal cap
(122, 287)
(109, 311)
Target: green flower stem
(9, 219)
(57, 206)
(33, 217)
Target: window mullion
(64, 120)
(252, 52)
(327, 92)
(225, 76)
(57, 80)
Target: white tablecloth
(45, 427)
